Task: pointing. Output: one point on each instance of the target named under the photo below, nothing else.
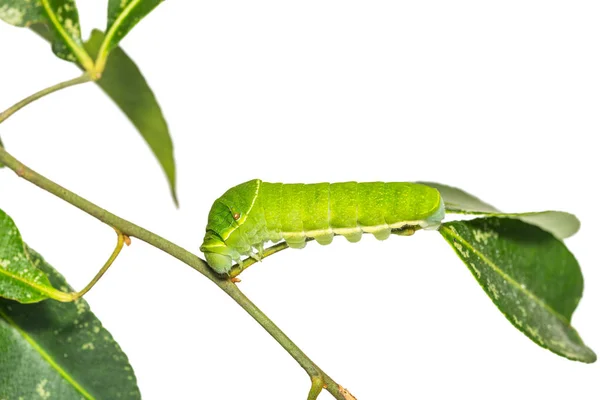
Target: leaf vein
(81, 54)
(507, 277)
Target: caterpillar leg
(382, 234)
(325, 238)
(247, 262)
(296, 243)
(256, 252)
(254, 256)
(260, 249)
(353, 237)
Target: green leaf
(123, 15)
(20, 277)
(529, 274)
(1, 145)
(60, 15)
(561, 224)
(53, 350)
(123, 82)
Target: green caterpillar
(248, 215)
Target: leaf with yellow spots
(559, 223)
(123, 15)
(60, 15)
(20, 278)
(52, 350)
(529, 274)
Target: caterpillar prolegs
(248, 215)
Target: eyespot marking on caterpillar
(253, 213)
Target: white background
(498, 98)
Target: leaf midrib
(47, 357)
(507, 277)
(39, 288)
(48, 291)
(81, 54)
(116, 24)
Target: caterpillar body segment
(247, 216)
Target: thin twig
(121, 240)
(315, 388)
(16, 107)
(59, 295)
(242, 265)
(130, 229)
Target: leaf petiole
(316, 387)
(68, 297)
(86, 77)
(121, 240)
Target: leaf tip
(174, 196)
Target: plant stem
(242, 265)
(16, 107)
(59, 295)
(315, 388)
(132, 230)
(105, 267)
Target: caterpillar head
(227, 214)
(218, 255)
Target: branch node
(317, 385)
(121, 240)
(20, 171)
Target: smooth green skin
(297, 212)
(529, 274)
(559, 223)
(52, 350)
